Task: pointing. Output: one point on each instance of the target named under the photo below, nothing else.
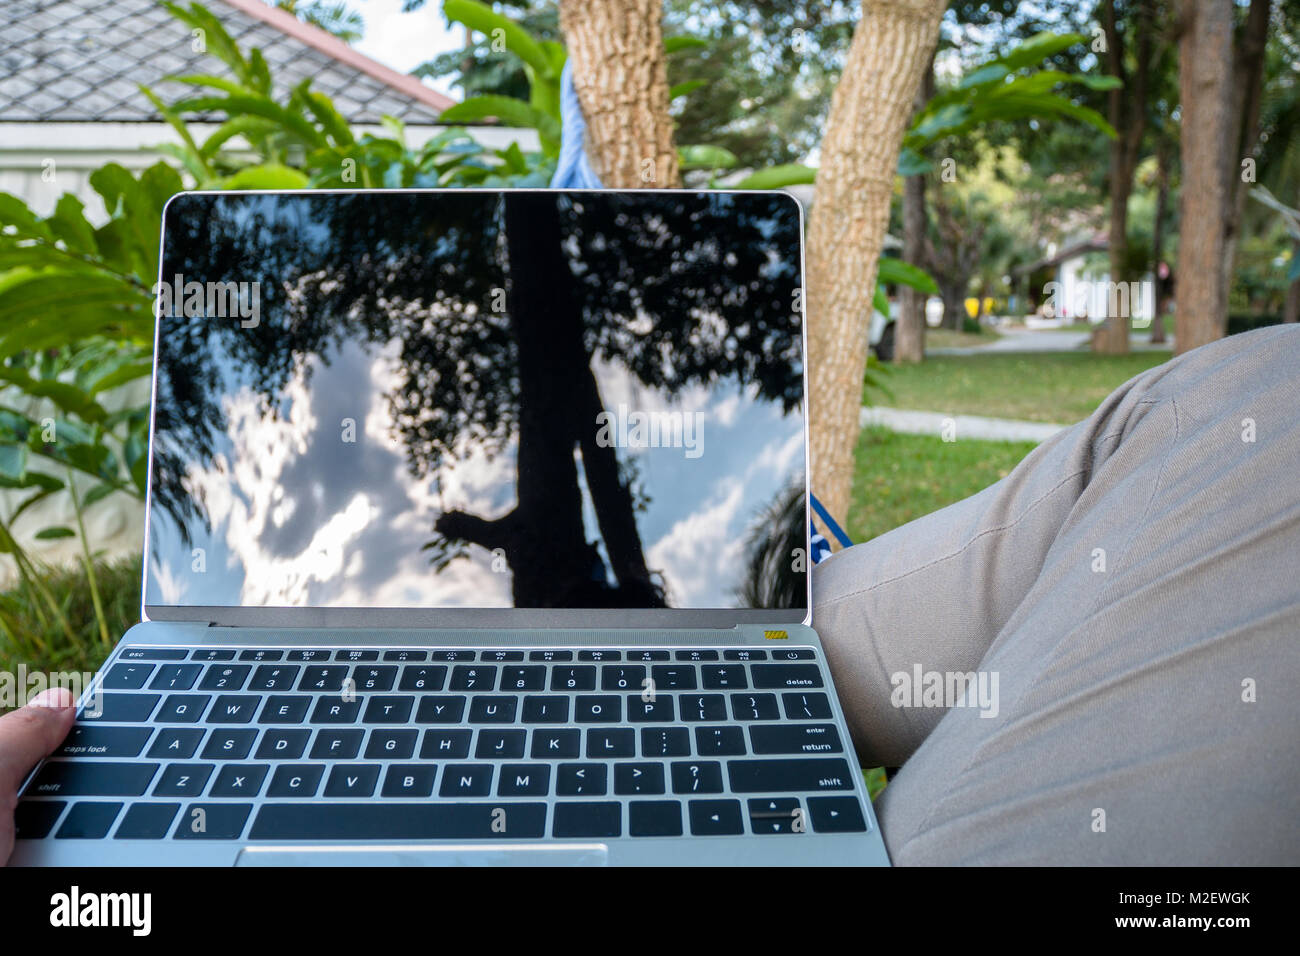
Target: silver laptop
(477, 534)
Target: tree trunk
(1158, 243)
(1291, 305)
(869, 112)
(909, 331)
(621, 77)
(1205, 57)
(1247, 94)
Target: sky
(403, 41)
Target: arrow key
(715, 817)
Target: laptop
(477, 534)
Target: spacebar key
(399, 821)
(789, 776)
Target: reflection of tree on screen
(501, 306)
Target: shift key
(92, 779)
(789, 776)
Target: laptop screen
(479, 399)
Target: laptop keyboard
(265, 744)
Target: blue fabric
(574, 170)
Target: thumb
(32, 732)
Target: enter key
(795, 739)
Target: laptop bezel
(469, 618)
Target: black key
(597, 710)
(440, 710)
(283, 744)
(528, 677)
(651, 818)
(406, 656)
(795, 739)
(446, 745)
(744, 654)
(336, 744)
(836, 814)
(466, 780)
(524, 780)
(182, 708)
(355, 655)
(212, 821)
(239, 780)
(387, 709)
(295, 780)
(550, 656)
(493, 710)
(451, 656)
(723, 677)
(127, 676)
(719, 741)
(325, 678)
(121, 708)
(34, 819)
(775, 815)
(176, 743)
(607, 744)
(234, 709)
(377, 677)
(546, 710)
(638, 779)
(285, 709)
(146, 821)
(665, 742)
(88, 821)
(309, 654)
(228, 745)
(623, 677)
(696, 656)
(501, 657)
(261, 654)
(755, 707)
(466, 677)
(641, 711)
(410, 780)
(794, 654)
(700, 776)
(274, 677)
(647, 656)
(91, 740)
(703, 707)
(601, 656)
(673, 677)
(782, 676)
(555, 744)
(399, 821)
(92, 778)
(581, 780)
(183, 780)
(213, 654)
(715, 817)
(423, 678)
(786, 776)
(176, 676)
(352, 780)
(575, 677)
(335, 710)
(807, 706)
(225, 677)
(153, 654)
(391, 745)
(587, 820)
(500, 744)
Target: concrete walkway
(1048, 340)
(940, 425)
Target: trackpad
(498, 854)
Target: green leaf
(880, 300)
(778, 177)
(13, 461)
(482, 18)
(507, 109)
(1038, 48)
(682, 89)
(912, 163)
(893, 271)
(677, 44)
(268, 176)
(98, 493)
(705, 157)
(50, 534)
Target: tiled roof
(76, 61)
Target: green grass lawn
(1041, 387)
(901, 477)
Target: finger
(32, 732)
